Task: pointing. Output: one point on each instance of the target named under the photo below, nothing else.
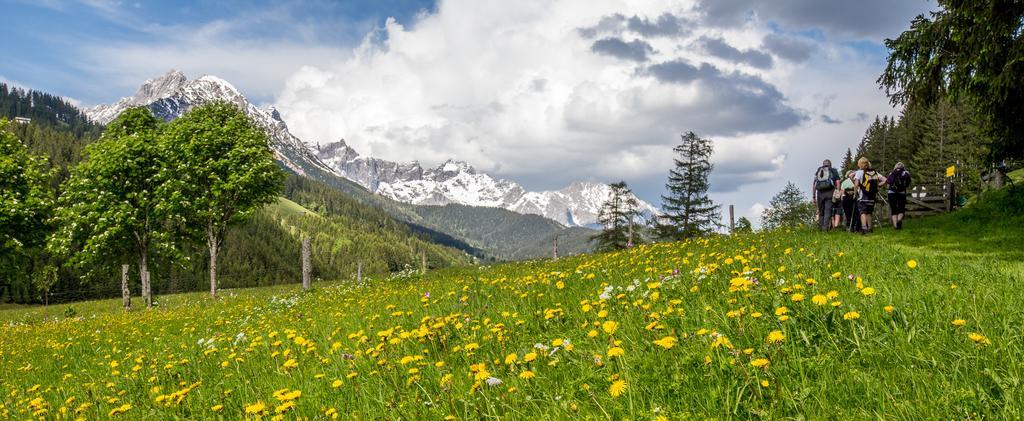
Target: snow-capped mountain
(171, 95)
(458, 182)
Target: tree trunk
(147, 287)
(307, 269)
(126, 293)
(212, 241)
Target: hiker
(868, 181)
(837, 208)
(849, 202)
(826, 181)
(898, 181)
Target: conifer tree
(618, 218)
(848, 162)
(688, 212)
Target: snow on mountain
(458, 182)
(171, 95)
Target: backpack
(869, 184)
(900, 181)
(823, 180)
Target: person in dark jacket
(826, 181)
(898, 181)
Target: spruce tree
(618, 218)
(848, 162)
(688, 212)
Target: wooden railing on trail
(931, 199)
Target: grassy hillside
(781, 324)
(488, 233)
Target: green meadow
(922, 323)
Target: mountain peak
(456, 166)
(158, 87)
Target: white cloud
(521, 92)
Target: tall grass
(923, 323)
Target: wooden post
(307, 268)
(554, 249)
(149, 290)
(423, 258)
(126, 293)
(732, 219)
(359, 272)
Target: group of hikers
(849, 201)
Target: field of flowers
(765, 325)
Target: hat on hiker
(899, 166)
(826, 163)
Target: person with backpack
(826, 181)
(849, 203)
(898, 181)
(867, 181)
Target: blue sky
(46, 43)
(539, 92)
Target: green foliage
(110, 210)
(688, 211)
(219, 170)
(788, 209)
(45, 110)
(26, 203)
(743, 226)
(618, 218)
(971, 51)
(927, 139)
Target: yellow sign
(950, 170)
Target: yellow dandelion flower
(959, 322)
(609, 327)
(291, 363)
(667, 342)
(336, 384)
(511, 358)
(819, 299)
(889, 309)
(868, 291)
(775, 336)
(979, 339)
(530, 357)
(616, 352)
(256, 408)
(617, 388)
(526, 375)
(796, 298)
(759, 363)
(559, 284)
(781, 310)
(592, 333)
(911, 263)
(851, 315)
(764, 383)
(217, 408)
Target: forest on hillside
(262, 250)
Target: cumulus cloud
(866, 19)
(520, 92)
(532, 94)
(636, 50)
(720, 48)
(789, 48)
(666, 25)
